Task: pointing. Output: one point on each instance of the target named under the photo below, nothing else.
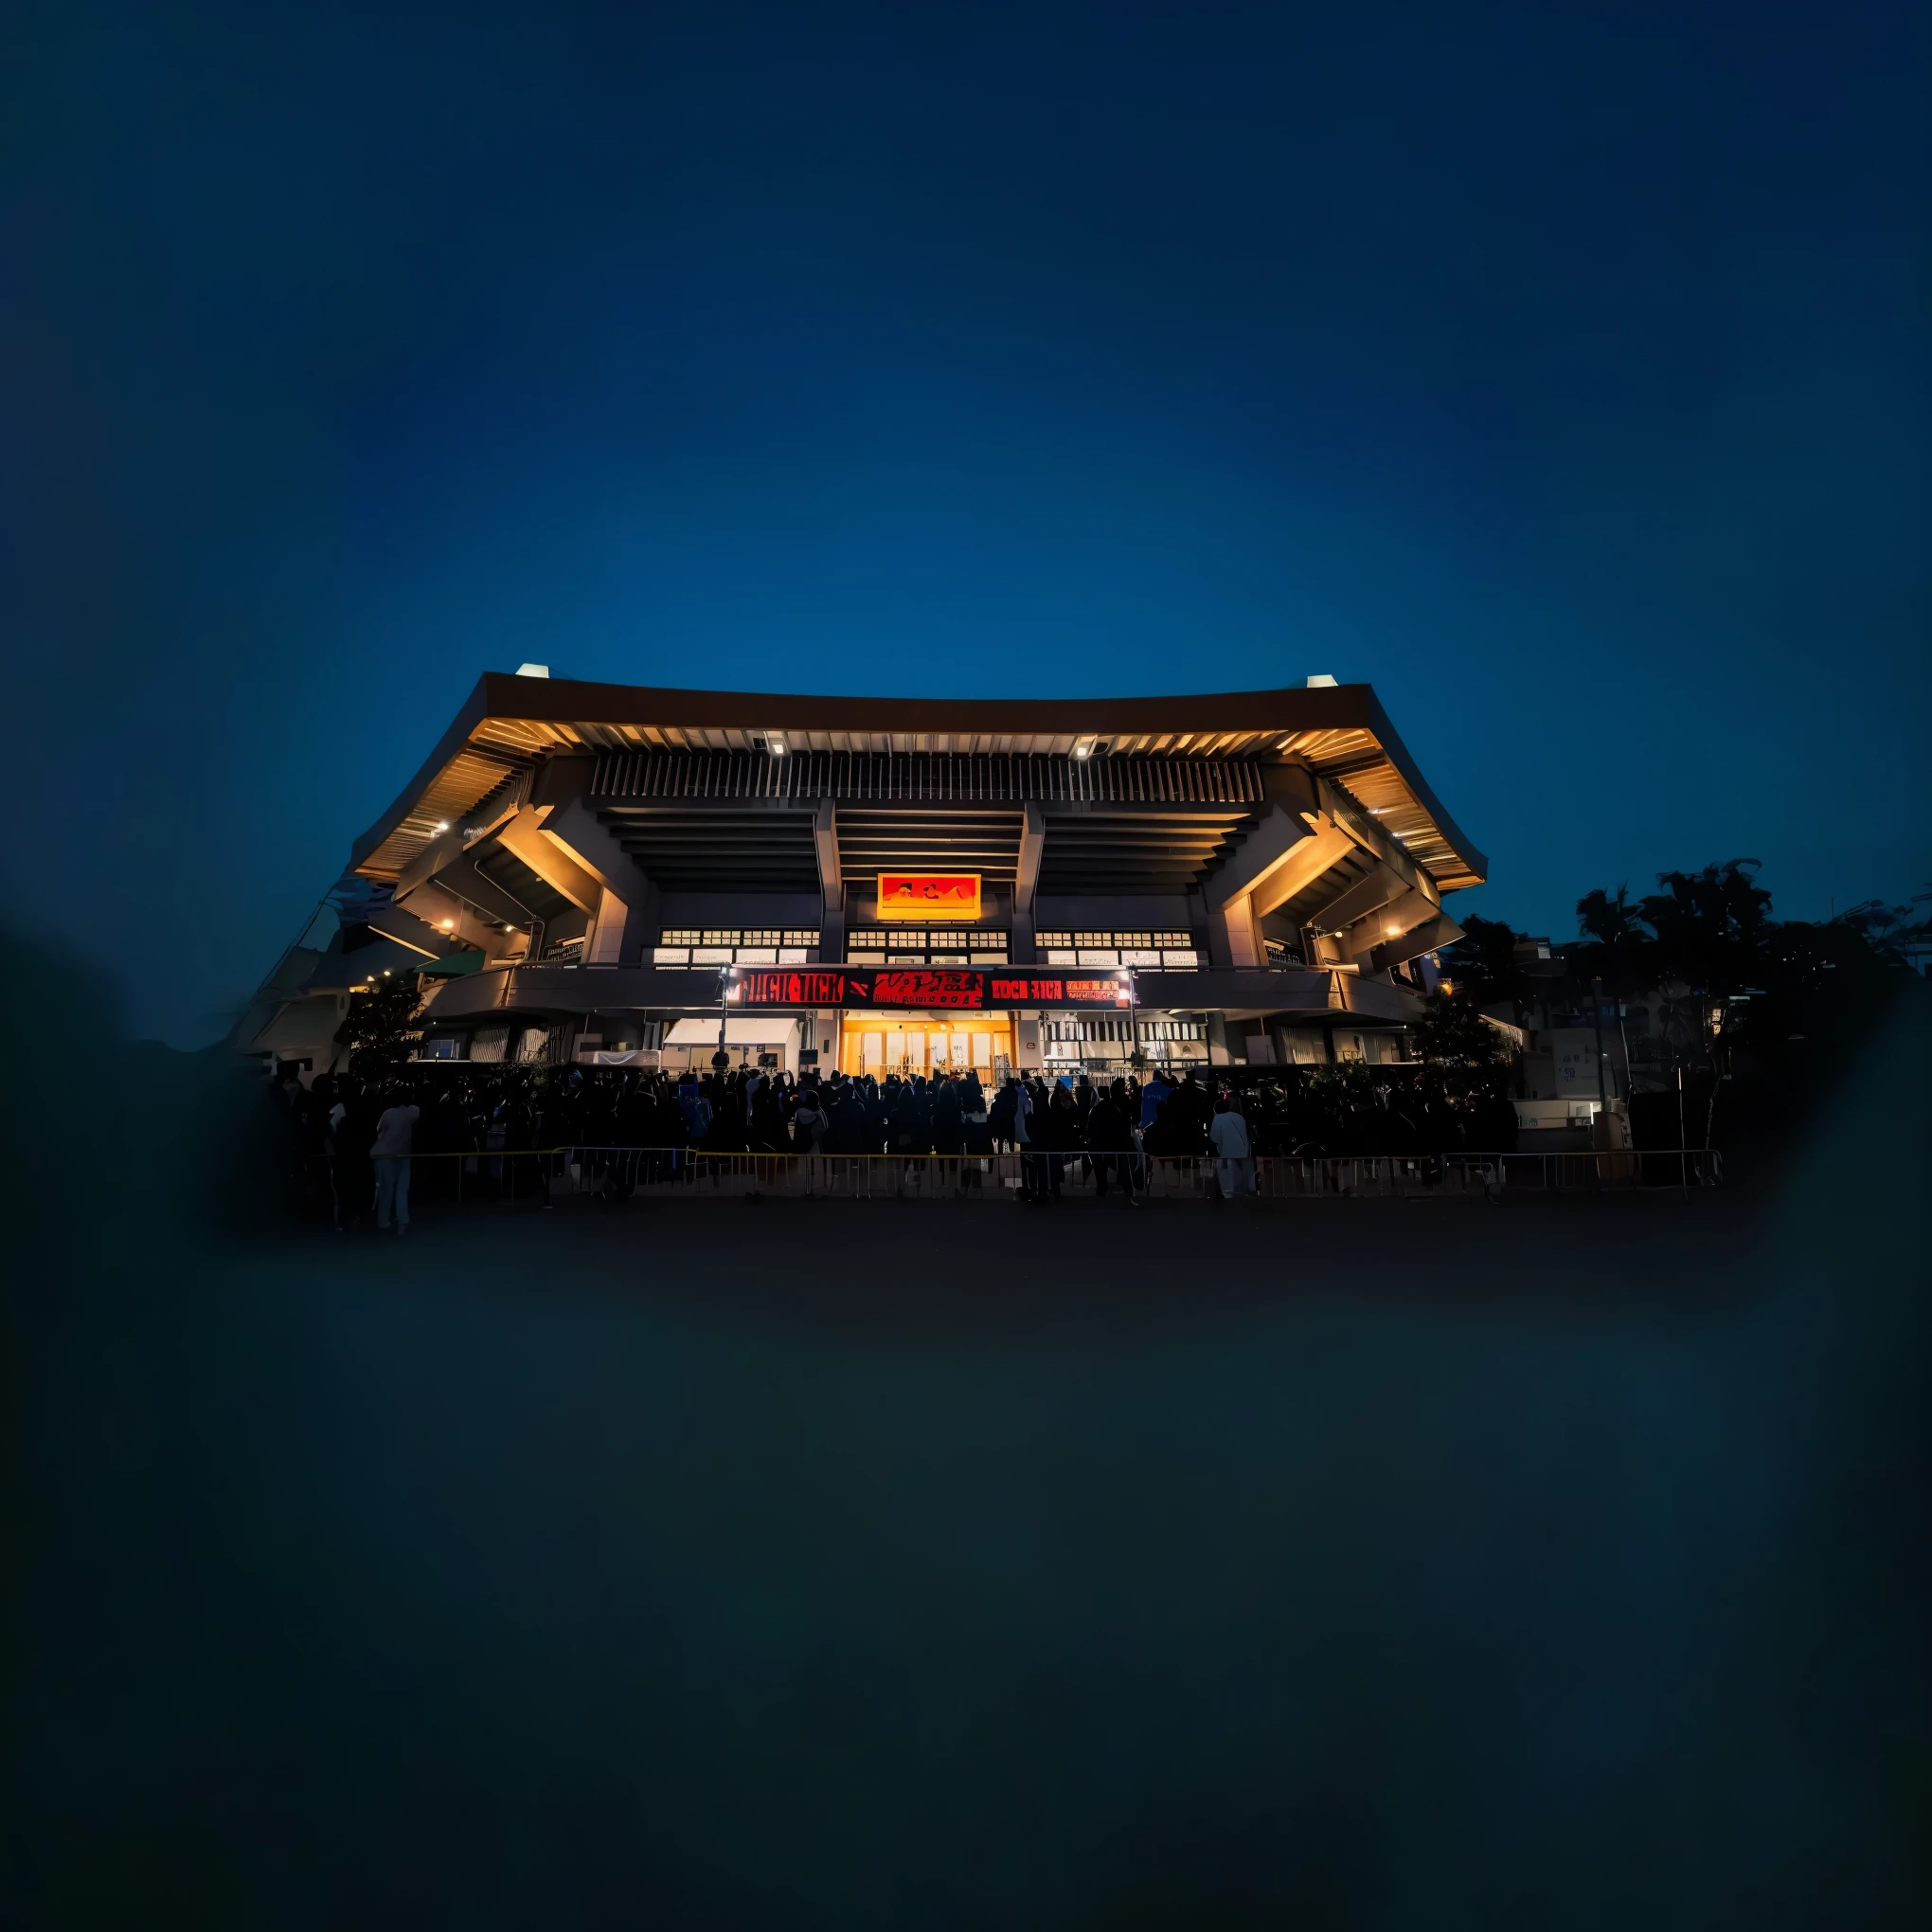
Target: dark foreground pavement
(880, 1565)
(912, 1266)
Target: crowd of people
(353, 1140)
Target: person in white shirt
(1234, 1167)
(395, 1139)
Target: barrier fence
(544, 1175)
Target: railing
(542, 1175)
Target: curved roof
(509, 722)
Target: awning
(751, 1030)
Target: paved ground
(905, 1564)
(918, 1263)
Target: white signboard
(1574, 1051)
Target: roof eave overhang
(1288, 718)
(476, 708)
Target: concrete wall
(763, 909)
(1136, 913)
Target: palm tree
(1711, 927)
(1610, 922)
(1714, 930)
(1620, 953)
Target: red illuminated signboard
(947, 896)
(937, 989)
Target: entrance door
(880, 1047)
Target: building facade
(583, 871)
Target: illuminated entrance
(913, 1020)
(881, 1043)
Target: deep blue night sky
(1559, 370)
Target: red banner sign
(937, 989)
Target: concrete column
(1245, 946)
(1382, 888)
(832, 943)
(551, 859)
(1217, 1040)
(1022, 948)
(1028, 1053)
(579, 839)
(823, 1030)
(1432, 933)
(1273, 862)
(1220, 953)
(606, 938)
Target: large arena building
(585, 872)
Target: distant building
(584, 870)
(1582, 1052)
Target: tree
(1618, 952)
(1452, 1033)
(1712, 927)
(1617, 949)
(381, 1028)
(1482, 965)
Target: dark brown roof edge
(571, 701)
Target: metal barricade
(543, 1176)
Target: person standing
(910, 1137)
(394, 1143)
(1020, 1129)
(1234, 1167)
(350, 1175)
(848, 1123)
(1110, 1142)
(1061, 1123)
(810, 1126)
(976, 1129)
(695, 1108)
(948, 1133)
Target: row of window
(1183, 958)
(733, 956)
(855, 958)
(911, 939)
(1183, 940)
(907, 949)
(740, 936)
(1098, 1027)
(1088, 1030)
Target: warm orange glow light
(929, 895)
